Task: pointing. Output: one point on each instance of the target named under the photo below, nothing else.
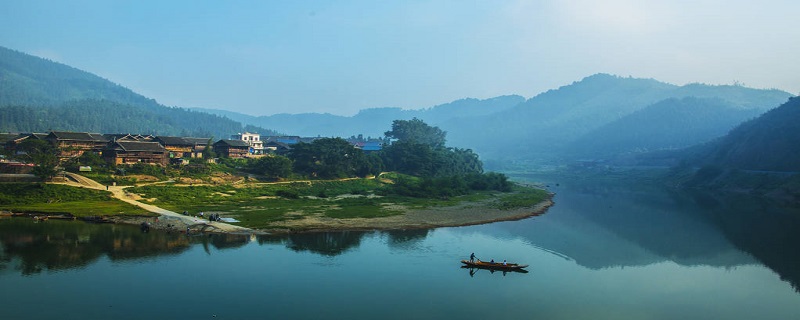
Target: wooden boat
(493, 265)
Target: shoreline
(466, 214)
(488, 217)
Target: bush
(288, 194)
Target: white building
(253, 139)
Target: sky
(267, 57)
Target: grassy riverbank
(297, 206)
(269, 206)
(61, 199)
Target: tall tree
(326, 158)
(417, 131)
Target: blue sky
(267, 57)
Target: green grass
(51, 198)
(83, 209)
(521, 198)
(259, 206)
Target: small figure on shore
(472, 257)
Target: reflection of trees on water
(406, 239)
(221, 241)
(336, 243)
(325, 243)
(57, 245)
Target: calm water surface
(603, 252)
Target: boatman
(472, 257)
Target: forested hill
(38, 95)
(770, 142)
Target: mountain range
(600, 117)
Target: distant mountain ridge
(371, 122)
(546, 126)
(595, 117)
(38, 95)
(600, 116)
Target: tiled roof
(77, 136)
(174, 141)
(233, 143)
(198, 141)
(140, 146)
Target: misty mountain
(770, 142)
(546, 126)
(666, 125)
(38, 95)
(371, 122)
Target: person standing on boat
(504, 262)
(472, 257)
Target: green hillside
(666, 125)
(769, 143)
(38, 95)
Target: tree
(273, 167)
(43, 155)
(417, 131)
(208, 152)
(326, 158)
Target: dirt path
(171, 218)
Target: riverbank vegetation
(325, 179)
(260, 205)
(61, 199)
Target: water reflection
(618, 225)
(53, 245)
(769, 231)
(597, 225)
(473, 271)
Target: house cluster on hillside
(161, 150)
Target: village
(128, 149)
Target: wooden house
(74, 144)
(198, 146)
(178, 147)
(131, 152)
(12, 141)
(231, 148)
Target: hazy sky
(266, 57)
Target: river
(602, 252)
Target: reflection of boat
(493, 265)
(473, 270)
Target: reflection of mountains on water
(768, 231)
(607, 226)
(56, 245)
